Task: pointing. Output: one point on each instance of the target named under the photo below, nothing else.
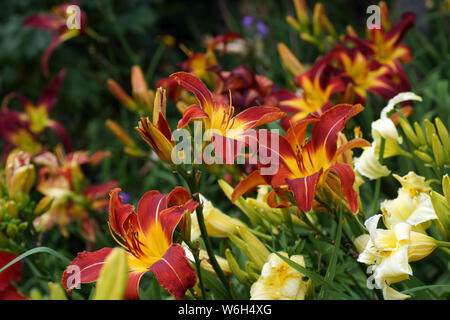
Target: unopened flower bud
(113, 277)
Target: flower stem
(378, 183)
(443, 244)
(193, 186)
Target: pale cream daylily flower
(413, 204)
(368, 165)
(279, 281)
(218, 224)
(389, 253)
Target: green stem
(193, 186)
(119, 34)
(378, 183)
(443, 244)
(196, 253)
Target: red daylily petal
(12, 273)
(89, 265)
(174, 272)
(132, 290)
(256, 116)
(178, 196)
(347, 178)
(197, 87)
(62, 134)
(118, 212)
(192, 113)
(49, 95)
(324, 133)
(11, 293)
(44, 21)
(304, 190)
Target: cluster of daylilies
(292, 164)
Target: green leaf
(331, 270)
(33, 251)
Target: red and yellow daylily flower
(365, 75)
(385, 43)
(317, 85)
(147, 236)
(20, 129)
(306, 164)
(63, 183)
(56, 22)
(218, 116)
(247, 88)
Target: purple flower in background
(125, 196)
(247, 21)
(262, 29)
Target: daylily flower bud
(35, 294)
(12, 209)
(130, 146)
(289, 60)
(419, 133)
(317, 14)
(446, 187)
(444, 136)
(253, 248)
(438, 151)
(279, 281)
(121, 95)
(301, 11)
(56, 291)
(19, 173)
(113, 277)
(240, 275)
(294, 23)
(429, 130)
(161, 144)
(241, 203)
(409, 132)
(442, 208)
(140, 89)
(159, 105)
(423, 156)
(43, 206)
(217, 223)
(12, 230)
(204, 261)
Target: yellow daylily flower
(389, 253)
(413, 204)
(279, 281)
